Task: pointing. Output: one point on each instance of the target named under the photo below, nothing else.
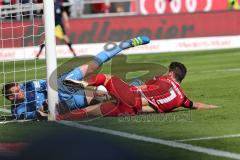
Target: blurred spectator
(66, 7)
(38, 13)
(8, 2)
(37, 1)
(233, 4)
(100, 7)
(24, 1)
(25, 14)
(7, 15)
(75, 9)
(120, 7)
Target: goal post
(51, 58)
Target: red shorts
(128, 99)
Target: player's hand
(75, 83)
(213, 106)
(83, 84)
(41, 115)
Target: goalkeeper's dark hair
(6, 90)
(179, 70)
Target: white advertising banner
(155, 46)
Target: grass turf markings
(174, 144)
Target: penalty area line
(174, 144)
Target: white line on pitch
(169, 143)
(5, 110)
(16, 121)
(209, 138)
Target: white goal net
(22, 32)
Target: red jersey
(165, 94)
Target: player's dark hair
(6, 90)
(179, 70)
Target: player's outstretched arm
(199, 105)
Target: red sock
(97, 80)
(73, 115)
(109, 109)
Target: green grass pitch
(213, 77)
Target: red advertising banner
(97, 30)
(18, 34)
(179, 6)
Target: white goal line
(174, 144)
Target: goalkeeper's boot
(137, 41)
(105, 55)
(140, 40)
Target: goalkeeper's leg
(102, 57)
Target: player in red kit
(164, 93)
(160, 94)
